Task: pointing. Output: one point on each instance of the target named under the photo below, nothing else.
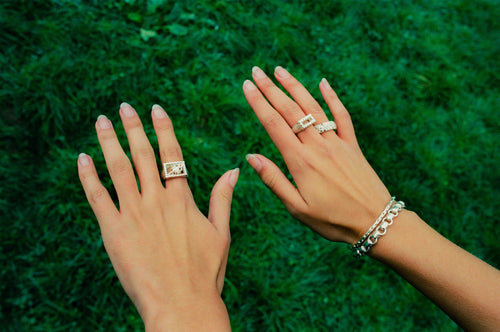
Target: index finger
(277, 128)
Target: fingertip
(249, 86)
(254, 162)
(158, 112)
(233, 177)
(103, 122)
(84, 160)
(325, 83)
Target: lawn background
(421, 81)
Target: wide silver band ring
(326, 126)
(303, 123)
(174, 169)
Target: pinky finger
(344, 124)
(275, 180)
(97, 195)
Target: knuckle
(133, 123)
(221, 194)
(273, 121)
(345, 115)
(164, 124)
(171, 152)
(269, 179)
(120, 166)
(145, 153)
(290, 107)
(96, 195)
(296, 212)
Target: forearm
(462, 285)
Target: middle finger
(286, 106)
(142, 153)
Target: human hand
(169, 257)
(337, 192)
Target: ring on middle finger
(303, 123)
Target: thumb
(275, 180)
(219, 210)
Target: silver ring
(303, 123)
(326, 126)
(174, 169)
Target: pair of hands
(166, 253)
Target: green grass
(420, 78)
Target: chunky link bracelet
(375, 224)
(385, 219)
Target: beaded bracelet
(386, 219)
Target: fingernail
(281, 72)
(158, 112)
(248, 85)
(233, 177)
(103, 122)
(83, 159)
(254, 162)
(325, 83)
(257, 72)
(127, 110)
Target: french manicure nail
(158, 112)
(257, 72)
(248, 85)
(103, 122)
(281, 72)
(127, 110)
(325, 83)
(254, 162)
(233, 177)
(83, 159)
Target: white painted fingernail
(83, 159)
(281, 72)
(233, 177)
(258, 73)
(158, 112)
(103, 122)
(248, 85)
(325, 83)
(254, 162)
(127, 110)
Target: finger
(277, 128)
(170, 150)
(219, 209)
(345, 129)
(142, 153)
(118, 164)
(302, 97)
(273, 178)
(97, 195)
(288, 108)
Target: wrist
(193, 312)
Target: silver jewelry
(381, 230)
(174, 169)
(375, 224)
(303, 123)
(326, 126)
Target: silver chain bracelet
(386, 219)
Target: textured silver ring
(174, 169)
(326, 126)
(303, 123)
